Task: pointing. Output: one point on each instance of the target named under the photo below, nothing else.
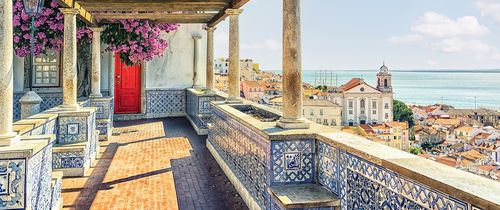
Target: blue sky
(360, 34)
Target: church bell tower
(384, 80)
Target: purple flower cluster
(49, 33)
(136, 40)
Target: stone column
(234, 55)
(96, 63)
(7, 136)
(292, 68)
(70, 84)
(196, 59)
(210, 59)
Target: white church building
(364, 104)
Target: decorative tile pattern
(363, 185)
(67, 126)
(293, 161)
(17, 106)
(162, 103)
(12, 183)
(245, 152)
(104, 108)
(328, 167)
(198, 109)
(204, 104)
(39, 178)
(49, 100)
(69, 159)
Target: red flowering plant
(136, 40)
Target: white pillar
(96, 63)
(292, 68)
(70, 83)
(196, 59)
(7, 136)
(234, 55)
(210, 59)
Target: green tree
(415, 150)
(402, 113)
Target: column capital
(69, 11)
(234, 11)
(97, 29)
(196, 37)
(210, 29)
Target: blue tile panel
(292, 161)
(12, 183)
(198, 109)
(104, 108)
(50, 100)
(39, 180)
(245, 152)
(162, 103)
(77, 159)
(104, 111)
(73, 129)
(26, 183)
(361, 184)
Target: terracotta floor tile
(152, 164)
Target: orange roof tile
(351, 84)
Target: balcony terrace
(189, 147)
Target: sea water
(459, 88)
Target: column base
(234, 100)
(95, 95)
(209, 91)
(9, 139)
(73, 107)
(293, 124)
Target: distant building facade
(364, 104)
(221, 66)
(322, 112)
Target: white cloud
(459, 45)
(406, 38)
(433, 24)
(432, 63)
(489, 8)
(269, 44)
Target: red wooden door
(127, 88)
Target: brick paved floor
(153, 164)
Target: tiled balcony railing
(257, 156)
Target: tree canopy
(402, 113)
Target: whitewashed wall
(175, 68)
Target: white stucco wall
(18, 74)
(175, 68)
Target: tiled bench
(303, 196)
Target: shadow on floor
(198, 179)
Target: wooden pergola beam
(154, 7)
(235, 4)
(83, 14)
(160, 17)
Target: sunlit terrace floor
(153, 164)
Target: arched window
(385, 82)
(362, 103)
